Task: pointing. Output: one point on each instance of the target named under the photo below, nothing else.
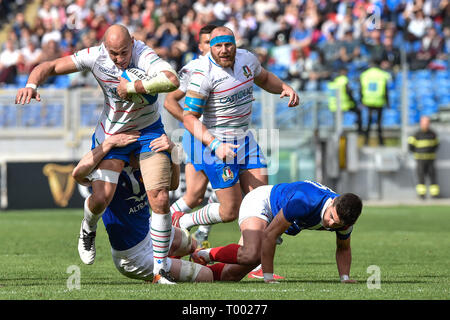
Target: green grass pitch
(410, 245)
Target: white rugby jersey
(229, 93)
(119, 115)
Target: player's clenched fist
(25, 95)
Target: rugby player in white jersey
(196, 179)
(221, 90)
(107, 62)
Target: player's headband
(221, 39)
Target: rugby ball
(133, 74)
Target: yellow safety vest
(339, 84)
(373, 87)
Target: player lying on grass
(128, 224)
(269, 211)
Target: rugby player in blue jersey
(128, 223)
(127, 217)
(269, 211)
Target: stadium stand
(304, 41)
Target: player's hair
(348, 208)
(207, 29)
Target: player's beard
(227, 63)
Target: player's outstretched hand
(226, 151)
(294, 99)
(163, 143)
(24, 95)
(122, 88)
(119, 140)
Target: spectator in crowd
(30, 57)
(9, 58)
(19, 24)
(349, 33)
(391, 55)
(431, 46)
(330, 49)
(341, 95)
(350, 47)
(418, 24)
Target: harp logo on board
(60, 181)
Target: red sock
(227, 254)
(217, 270)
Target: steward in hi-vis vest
(374, 95)
(347, 102)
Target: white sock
(213, 198)
(205, 228)
(160, 231)
(204, 253)
(90, 219)
(180, 205)
(207, 215)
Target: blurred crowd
(299, 40)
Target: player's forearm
(172, 106)
(90, 161)
(271, 83)
(47, 69)
(268, 253)
(41, 72)
(344, 260)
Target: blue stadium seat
(391, 118)
(21, 80)
(53, 115)
(88, 118)
(414, 116)
(62, 82)
(256, 113)
(10, 116)
(349, 119)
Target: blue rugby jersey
(127, 218)
(302, 203)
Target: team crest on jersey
(227, 174)
(247, 71)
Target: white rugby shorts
(137, 262)
(257, 204)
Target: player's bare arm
(172, 106)
(344, 259)
(96, 155)
(193, 109)
(269, 240)
(40, 73)
(271, 83)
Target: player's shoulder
(245, 54)
(193, 64)
(91, 51)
